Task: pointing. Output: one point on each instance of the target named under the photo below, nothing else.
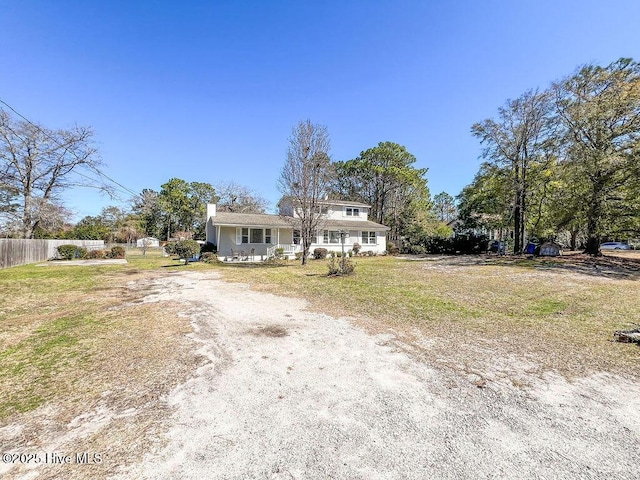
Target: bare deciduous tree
(239, 199)
(306, 179)
(37, 164)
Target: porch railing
(287, 249)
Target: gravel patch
(292, 394)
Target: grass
(76, 341)
(73, 338)
(57, 322)
(558, 314)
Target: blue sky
(210, 90)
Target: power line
(55, 140)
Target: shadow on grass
(613, 267)
(133, 271)
(254, 265)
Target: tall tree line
(179, 207)
(565, 158)
(386, 178)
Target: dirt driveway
(292, 394)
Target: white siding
(339, 212)
(355, 236)
(334, 212)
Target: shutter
(238, 235)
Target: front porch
(289, 251)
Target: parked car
(614, 246)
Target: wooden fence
(15, 252)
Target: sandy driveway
(291, 394)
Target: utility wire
(123, 189)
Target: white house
(148, 242)
(252, 235)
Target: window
(256, 235)
(242, 235)
(322, 210)
(253, 235)
(330, 236)
(296, 237)
(369, 238)
(353, 212)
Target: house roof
(249, 220)
(329, 201)
(354, 225)
(266, 220)
(343, 202)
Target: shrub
(333, 266)
(81, 252)
(470, 243)
(93, 254)
(370, 253)
(96, 254)
(187, 249)
(298, 255)
(320, 253)
(275, 261)
(279, 252)
(117, 252)
(67, 252)
(392, 248)
(348, 267)
(208, 248)
(344, 266)
(416, 249)
(356, 248)
(209, 257)
(458, 244)
(170, 248)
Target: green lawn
(79, 341)
(559, 314)
(60, 326)
(57, 325)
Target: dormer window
(353, 212)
